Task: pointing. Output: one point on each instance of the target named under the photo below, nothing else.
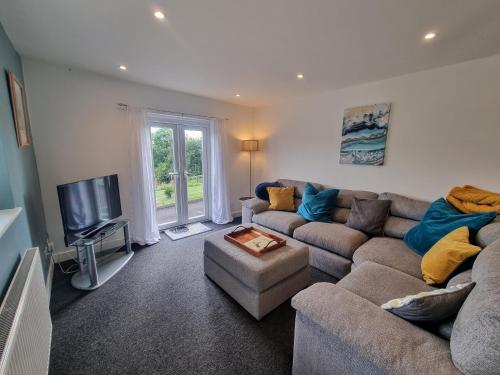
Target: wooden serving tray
(254, 241)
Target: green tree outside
(163, 150)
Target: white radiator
(25, 325)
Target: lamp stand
(250, 186)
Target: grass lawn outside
(194, 189)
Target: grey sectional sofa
(332, 246)
(341, 329)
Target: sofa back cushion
(299, 186)
(397, 227)
(489, 233)
(344, 199)
(344, 202)
(474, 343)
(404, 214)
(406, 207)
(340, 214)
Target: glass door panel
(194, 153)
(166, 176)
(180, 160)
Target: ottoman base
(258, 304)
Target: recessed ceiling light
(300, 76)
(430, 36)
(123, 67)
(237, 95)
(160, 15)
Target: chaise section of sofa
(475, 338)
(342, 328)
(339, 332)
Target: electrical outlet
(49, 248)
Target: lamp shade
(250, 145)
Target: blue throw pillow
(261, 189)
(440, 219)
(317, 205)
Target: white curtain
(221, 210)
(143, 223)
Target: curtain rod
(124, 107)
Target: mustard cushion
(446, 255)
(281, 198)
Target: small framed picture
(20, 110)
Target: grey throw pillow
(368, 215)
(430, 306)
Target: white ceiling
(217, 48)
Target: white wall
(80, 134)
(444, 130)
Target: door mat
(184, 231)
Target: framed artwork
(20, 111)
(364, 133)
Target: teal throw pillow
(440, 219)
(317, 205)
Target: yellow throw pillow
(281, 198)
(446, 255)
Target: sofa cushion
(474, 343)
(488, 234)
(406, 207)
(460, 278)
(281, 221)
(397, 227)
(390, 252)
(328, 262)
(344, 199)
(340, 214)
(379, 284)
(368, 215)
(333, 237)
(299, 186)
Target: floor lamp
(250, 145)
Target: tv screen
(88, 204)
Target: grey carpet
(162, 315)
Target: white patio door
(180, 147)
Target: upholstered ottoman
(259, 284)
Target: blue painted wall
(19, 183)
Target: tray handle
(235, 230)
(269, 243)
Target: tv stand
(95, 272)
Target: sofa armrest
(257, 205)
(251, 207)
(361, 337)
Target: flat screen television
(88, 205)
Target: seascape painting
(364, 132)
